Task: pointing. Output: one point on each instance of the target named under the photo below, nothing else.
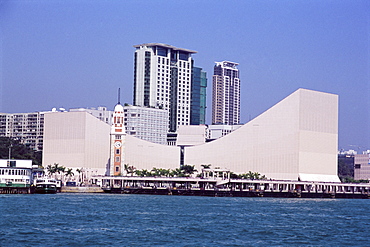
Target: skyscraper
(162, 78)
(226, 94)
(198, 97)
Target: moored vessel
(15, 176)
(45, 185)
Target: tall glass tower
(198, 97)
(226, 94)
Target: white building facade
(162, 78)
(150, 124)
(29, 127)
(76, 140)
(297, 139)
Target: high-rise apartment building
(198, 97)
(226, 94)
(162, 79)
(26, 127)
(146, 123)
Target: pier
(226, 187)
(16, 190)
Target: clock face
(117, 144)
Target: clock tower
(117, 142)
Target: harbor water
(72, 219)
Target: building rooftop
(227, 64)
(166, 46)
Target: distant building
(150, 124)
(348, 152)
(226, 94)
(198, 97)
(219, 130)
(362, 166)
(346, 165)
(100, 113)
(190, 135)
(26, 127)
(163, 78)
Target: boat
(46, 185)
(15, 176)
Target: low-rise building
(101, 113)
(216, 131)
(190, 135)
(362, 166)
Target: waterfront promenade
(227, 187)
(214, 187)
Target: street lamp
(10, 150)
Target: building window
(117, 159)
(117, 151)
(117, 168)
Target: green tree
(234, 176)
(188, 170)
(18, 151)
(69, 173)
(129, 169)
(253, 175)
(51, 170)
(79, 174)
(206, 166)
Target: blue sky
(78, 53)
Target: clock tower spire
(117, 140)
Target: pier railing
(235, 187)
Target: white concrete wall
(318, 140)
(188, 135)
(76, 140)
(296, 136)
(146, 155)
(268, 144)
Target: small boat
(45, 185)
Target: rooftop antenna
(119, 96)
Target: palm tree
(59, 169)
(188, 169)
(256, 175)
(145, 173)
(51, 169)
(155, 172)
(79, 174)
(206, 166)
(130, 169)
(177, 173)
(69, 173)
(250, 175)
